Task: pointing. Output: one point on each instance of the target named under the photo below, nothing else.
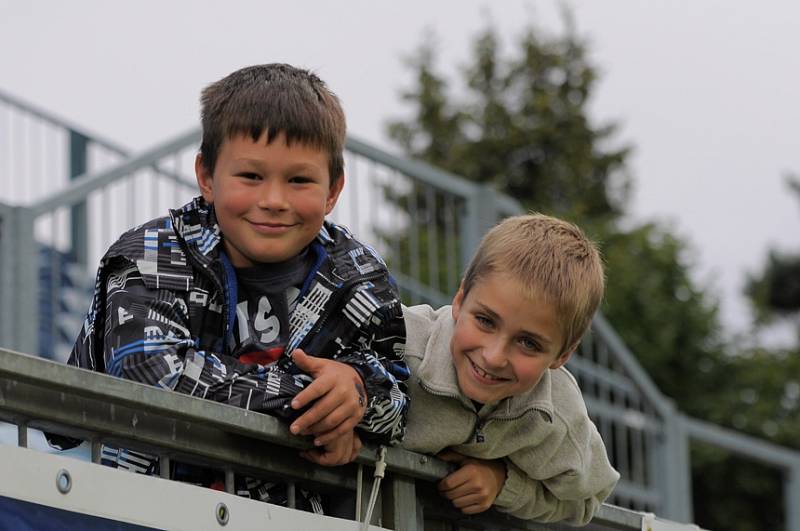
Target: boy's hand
(475, 485)
(340, 399)
(340, 451)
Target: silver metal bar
(47, 116)
(230, 481)
(291, 494)
(80, 187)
(22, 434)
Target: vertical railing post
(78, 165)
(791, 497)
(400, 510)
(7, 284)
(480, 215)
(675, 469)
(19, 277)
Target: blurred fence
(424, 221)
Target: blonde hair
(553, 260)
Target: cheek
(311, 205)
(235, 202)
(529, 371)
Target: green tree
(521, 124)
(775, 292)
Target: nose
(494, 354)
(272, 195)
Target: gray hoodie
(556, 461)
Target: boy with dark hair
(489, 386)
(246, 295)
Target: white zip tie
(380, 470)
(359, 488)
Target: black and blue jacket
(164, 308)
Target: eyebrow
(298, 167)
(542, 339)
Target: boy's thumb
(303, 360)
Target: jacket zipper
(477, 434)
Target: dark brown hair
(276, 98)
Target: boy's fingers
(475, 508)
(312, 455)
(462, 502)
(453, 481)
(333, 425)
(356, 446)
(458, 492)
(315, 389)
(450, 456)
(324, 416)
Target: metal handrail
(78, 189)
(52, 119)
(41, 394)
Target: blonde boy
(488, 386)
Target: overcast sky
(706, 91)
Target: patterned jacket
(165, 303)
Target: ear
(565, 356)
(333, 194)
(458, 300)
(205, 180)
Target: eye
(530, 344)
(301, 179)
(250, 176)
(484, 322)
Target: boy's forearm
(529, 499)
(148, 339)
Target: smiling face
(270, 199)
(503, 341)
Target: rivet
(223, 515)
(63, 481)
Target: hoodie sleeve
(565, 477)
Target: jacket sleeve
(146, 338)
(382, 367)
(566, 478)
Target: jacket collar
(437, 373)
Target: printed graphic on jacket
(267, 294)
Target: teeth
(484, 373)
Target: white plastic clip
(380, 470)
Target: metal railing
(40, 394)
(424, 221)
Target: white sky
(706, 91)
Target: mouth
(484, 375)
(271, 227)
